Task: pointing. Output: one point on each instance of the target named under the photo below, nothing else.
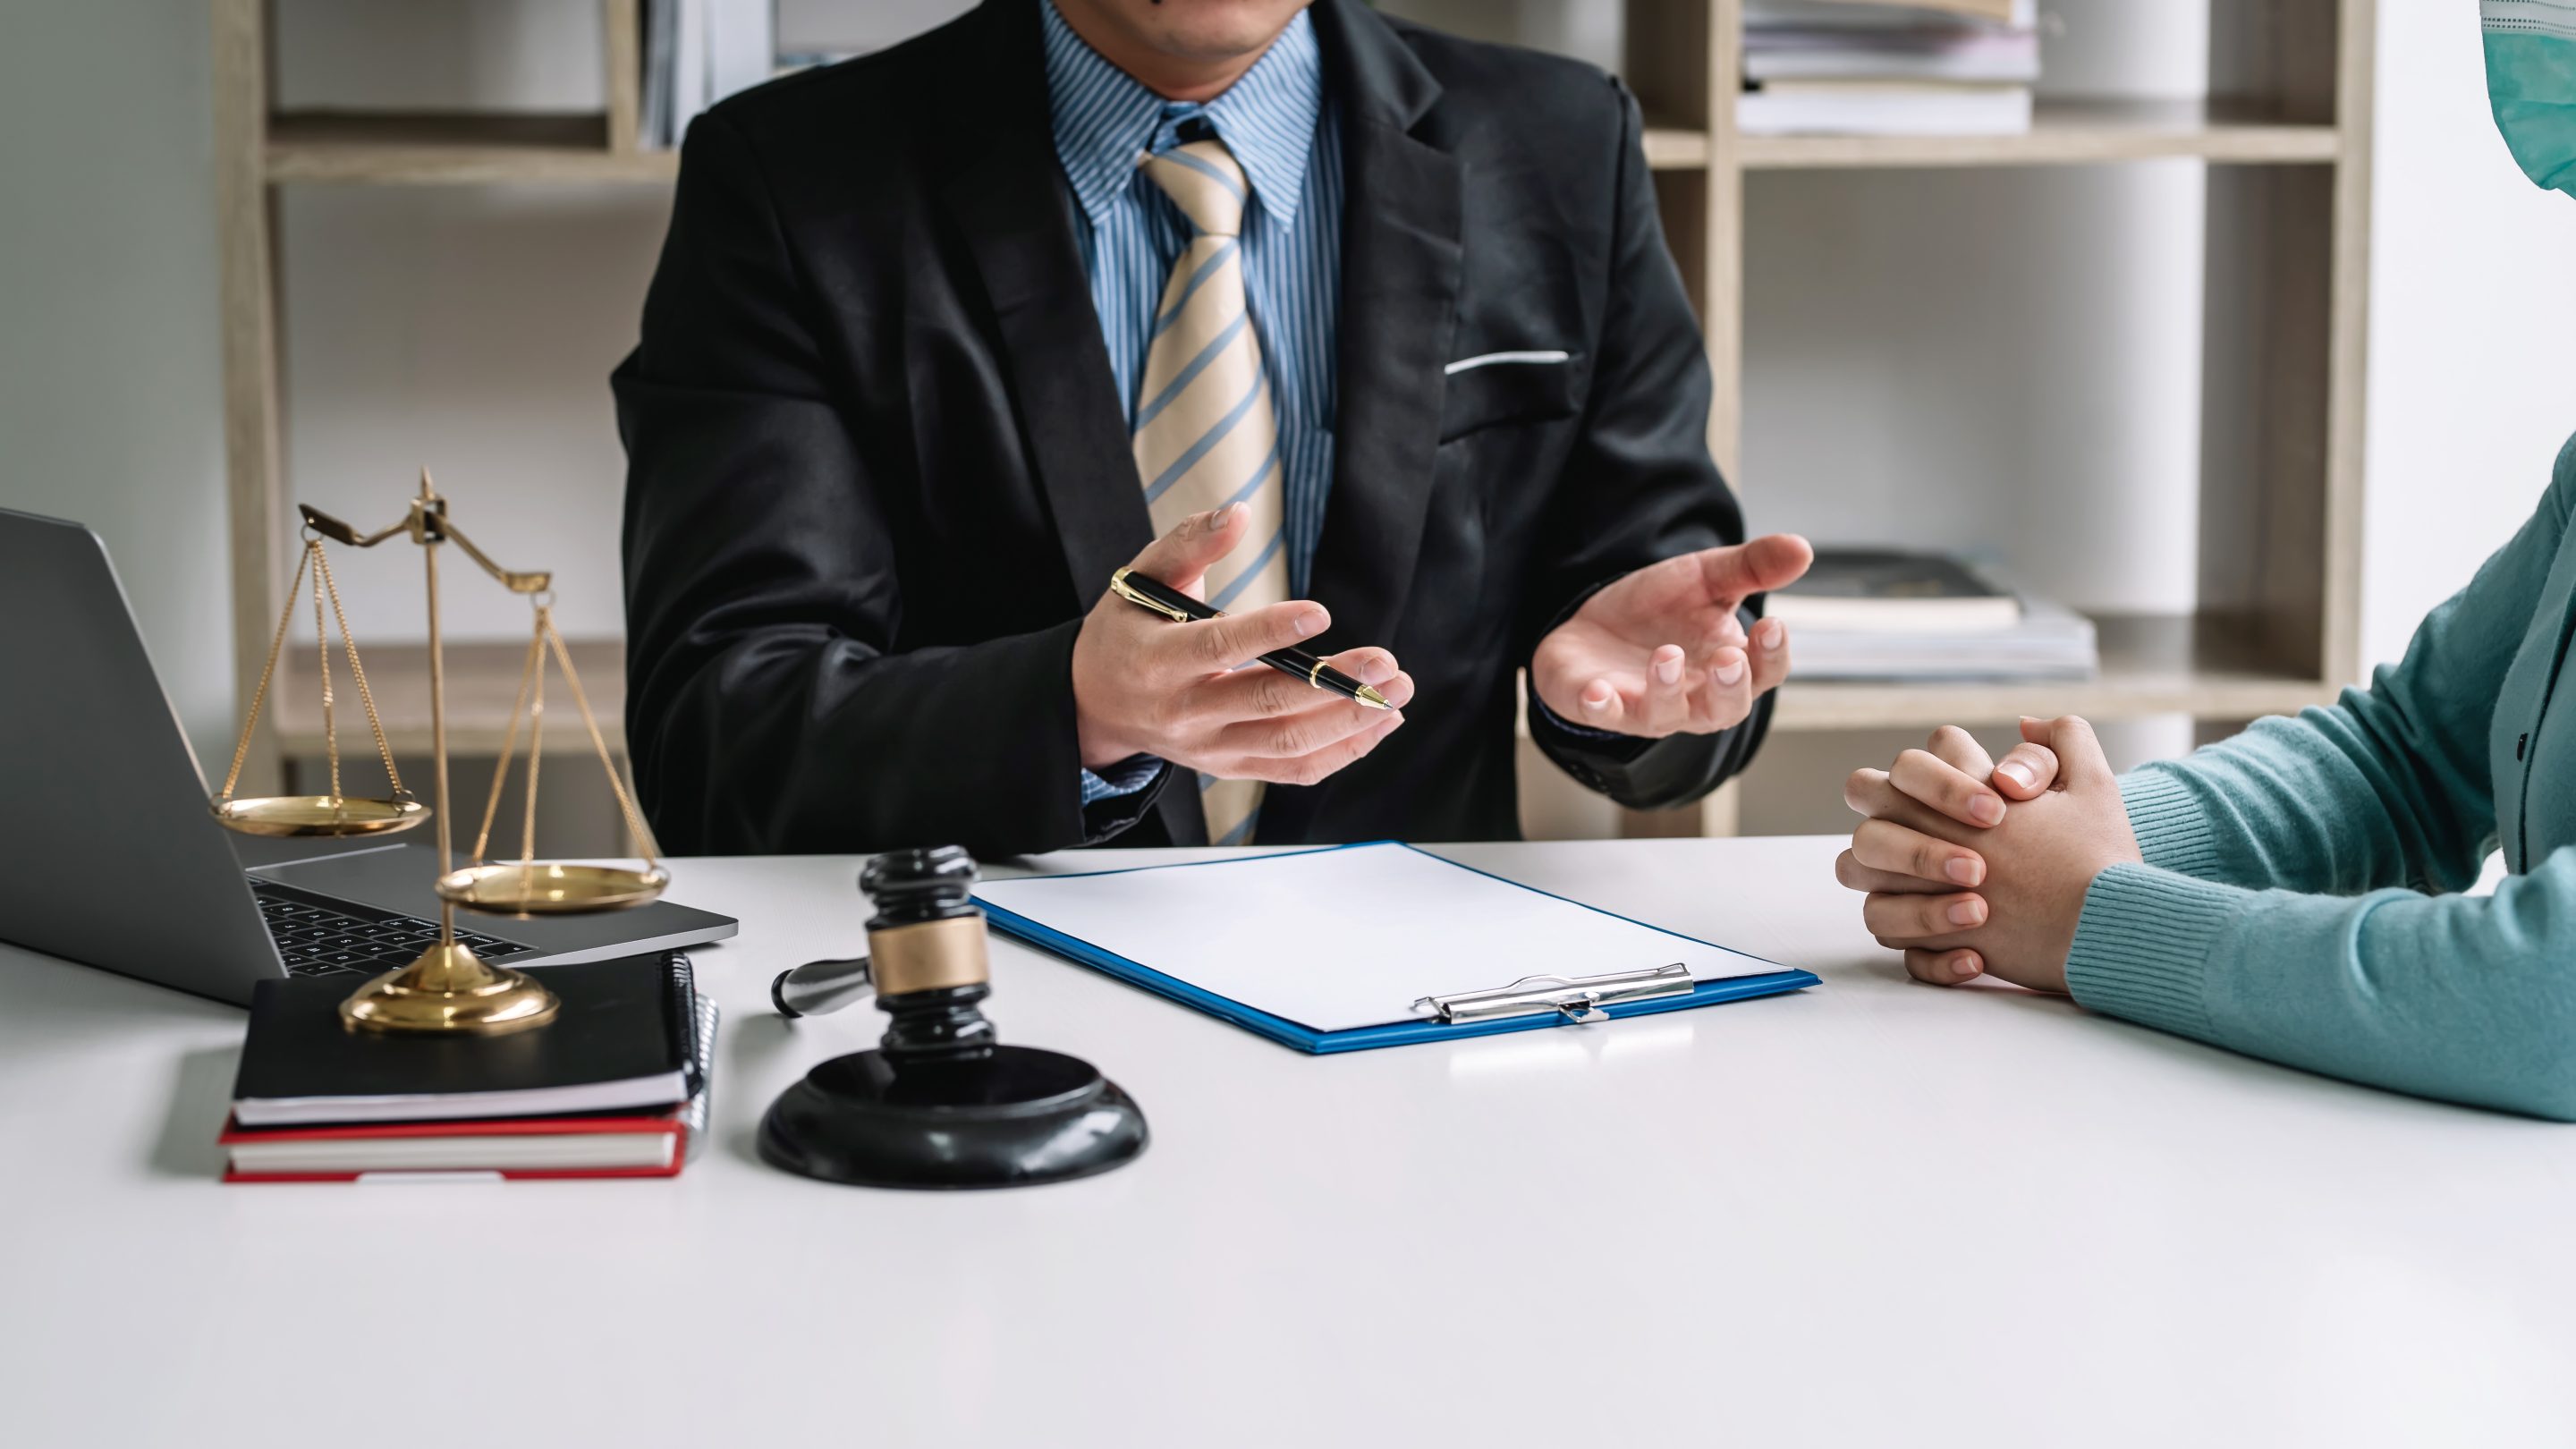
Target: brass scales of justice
(449, 988)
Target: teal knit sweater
(2300, 897)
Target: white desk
(1874, 1213)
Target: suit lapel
(1009, 201)
(1401, 218)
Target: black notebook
(626, 1038)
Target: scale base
(1014, 1118)
(450, 989)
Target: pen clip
(1118, 585)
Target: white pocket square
(1491, 359)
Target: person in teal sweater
(2294, 892)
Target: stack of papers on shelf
(1875, 614)
(1843, 67)
(696, 53)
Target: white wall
(469, 330)
(2472, 326)
(110, 355)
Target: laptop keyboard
(318, 936)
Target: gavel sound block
(941, 1103)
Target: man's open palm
(1662, 652)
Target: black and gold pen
(1180, 608)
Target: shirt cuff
(2142, 946)
(1126, 777)
(2173, 830)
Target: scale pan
(550, 888)
(317, 815)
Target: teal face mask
(2531, 84)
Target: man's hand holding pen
(1658, 652)
(1144, 685)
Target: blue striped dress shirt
(1275, 122)
(1282, 133)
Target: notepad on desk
(1359, 946)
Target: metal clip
(1118, 585)
(1578, 999)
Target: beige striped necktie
(1205, 435)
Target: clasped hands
(1657, 652)
(1977, 867)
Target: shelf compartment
(2151, 664)
(482, 679)
(415, 149)
(2071, 133)
(1675, 148)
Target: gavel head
(926, 951)
(926, 883)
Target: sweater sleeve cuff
(2173, 831)
(2143, 944)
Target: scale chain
(536, 749)
(625, 802)
(509, 746)
(259, 695)
(358, 672)
(322, 646)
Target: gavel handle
(820, 986)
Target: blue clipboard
(1395, 1033)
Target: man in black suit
(894, 422)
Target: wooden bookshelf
(1676, 148)
(398, 150)
(2151, 665)
(259, 149)
(2072, 133)
(2286, 142)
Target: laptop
(114, 860)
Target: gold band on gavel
(928, 955)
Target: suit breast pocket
(1493, 388)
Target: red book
(649, 1145)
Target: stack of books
(614, 1086)
(696, 53)
(1930, 68)
(1876, 614)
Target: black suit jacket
(878, 469)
